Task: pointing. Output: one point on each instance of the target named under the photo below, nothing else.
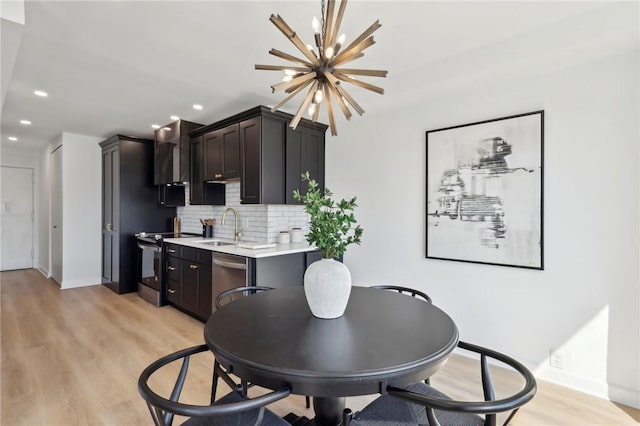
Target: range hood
(172, 164)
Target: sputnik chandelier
(319, 69)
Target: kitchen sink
(216, 242)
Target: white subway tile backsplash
(256, 222)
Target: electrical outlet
(556, 359)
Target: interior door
(16, 218)
(56, 215)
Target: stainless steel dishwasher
(228, 272)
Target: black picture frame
(485, 192)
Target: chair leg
(214, 381)
(347, 415)
(307, 401)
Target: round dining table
(272, 339)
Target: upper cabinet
(222, 153)
(172, 152)
(260, 148)
(305, 152)
(202, 192)
(262, 157)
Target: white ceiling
(119, 66)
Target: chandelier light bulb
(312, 109)
(341, 39)
(287, 78)
(329, 52)
(316, 25)
(318, 96)
(289, 72)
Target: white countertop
(278, 250)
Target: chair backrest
(163, 409)
(490, 406)
(229, 296)
(405, 290)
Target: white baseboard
(608, 391)
(79, 283)
(624, 395)
(44, 272)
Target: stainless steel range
(150, 264)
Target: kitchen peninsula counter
(232, 248)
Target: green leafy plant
(331, 225)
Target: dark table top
(272, 339)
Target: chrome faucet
(236, 233)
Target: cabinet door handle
(170, 291)
(108, 227)
(171, 268)
(171, 251)
(193, 266)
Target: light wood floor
(73, 358)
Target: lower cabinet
(189, 280)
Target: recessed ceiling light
(25, 122)
(40, 93)
(13, 138)
(155, 126)
(197, 106)
(175, 117)
(166, 128)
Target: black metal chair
(229, 296)
(233, 409)
(408, 292)
(405, 290)
(422, 404)
(221, 300)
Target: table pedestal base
(329, 412)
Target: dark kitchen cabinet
(273, 156)
(172, 159)
(305, 152)
(128, 206)
(262, 148)
(270, 157)
(189, 280)
(201, 192)
(222, 154)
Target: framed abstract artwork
(485, 192)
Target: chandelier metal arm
(307, 99)
(338, 22)
(283, 55)
(293, 37)
(348, 55)
(350, 99)
(291, 96)
(363, 36)
(293, 82)
(332, 121)
(370, 73)
(359, 83)
(326, 42)
(282, 68)
(341, 104)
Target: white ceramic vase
(327, 286)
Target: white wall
(587, 300)
(82, 206)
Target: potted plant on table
(332, 227)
